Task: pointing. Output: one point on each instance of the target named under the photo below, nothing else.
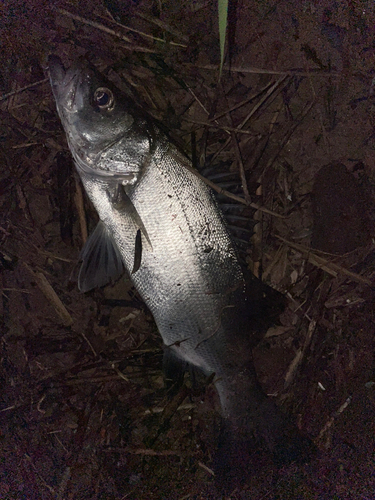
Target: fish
(162, 223)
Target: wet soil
(84, 411)
(341, 222)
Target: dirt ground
(84, 413)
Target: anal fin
(174, 369)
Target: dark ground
(82, 388)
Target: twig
(207, 469)
(257, 238)
(8, 408)
(241, 168)
(51, 255)
(120, 374)
(269, 92)
(51, 296)
(221, 127)
(261, 71)
(151, 37)
(101, 27)
(50, 489)
(207, 113)
(169, 410)
(26, 145)
(103, 379)
(145, 451)
(63, 483)
(94, 24)
(244, 102)
(330, 267)
(18, 91)
(287, 137)
(163, 25)
(330, 422)
(296, 362)
(89, 344)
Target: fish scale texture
(190, 268)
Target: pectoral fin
(122, 203)
(101, 260)
(137, 252)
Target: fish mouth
(62, 78)
(64, 83)
(56, 69)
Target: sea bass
(164, 225)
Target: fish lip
(64, 82)
(56, 69)
(61, 77)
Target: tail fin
(242, 449)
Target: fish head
(107, 139)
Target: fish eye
(104, 98)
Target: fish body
(163, 223)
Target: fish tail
(255, 429)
